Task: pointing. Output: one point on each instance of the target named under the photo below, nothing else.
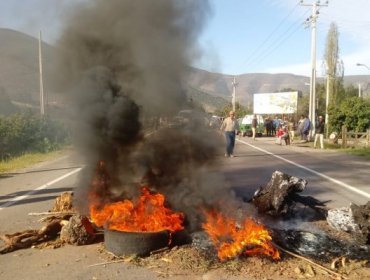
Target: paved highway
(332, 176)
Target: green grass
(332, 146)
(363, 152)
(359, 151)
(27, 160)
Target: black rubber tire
(134, 243)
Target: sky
(240, 36)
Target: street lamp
(359, 85)
(328, 77)
(364, 65)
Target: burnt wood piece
(361, 214)
(276, 197)
(78, 231)
(318, 245)
(28, 238)
(56, 217)
(64, 203)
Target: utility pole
(327, 103)
(359, 90)
(233, 98)
(42, 101)
(312, 100)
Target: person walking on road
(254, 126)
(320, 126)
(230, 126)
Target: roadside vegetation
(356, 151)
(345, 108)
(26, 160)
(363, 152)
(27, 138)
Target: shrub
(27, 132)
(353, 112)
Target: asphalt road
(335, 177)
(332, 176)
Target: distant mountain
(248, 84)
(19, 66)
(19, 77)
(210, 102)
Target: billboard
(275, 103)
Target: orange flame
(148, 215)
(230, 240)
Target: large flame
(230, 240)
(149, 214)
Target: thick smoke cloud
(146, 44)
(122, 64)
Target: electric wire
(282, 39)
(265, 52)
(251, 58)
(258, 48)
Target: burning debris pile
(137, 228)
(280, 199)
(147, 227)
(147, 217)
(232, 240)
(148, 188)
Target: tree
(303, 104)
(334, 67)
(240, 111)
(350, 91)
(353, 112)
(320, 99)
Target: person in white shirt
(230, 126)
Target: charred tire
(134, 243)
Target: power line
(274, 46)
(269, 36)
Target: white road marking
(340, 183)
(18, 198)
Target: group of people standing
(271, 126)
(282, 130)
(304, 127)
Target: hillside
(19, 77)
(19, 66)
(248, 84)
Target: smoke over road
(121, 64)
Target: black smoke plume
(121, 67)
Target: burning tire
(139, 243)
